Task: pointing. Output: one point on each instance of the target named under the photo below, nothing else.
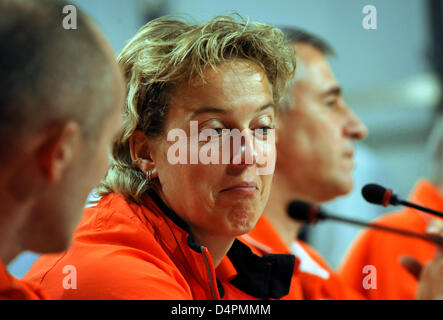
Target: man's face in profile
(57, 213)
(315, 146)
(92, 162)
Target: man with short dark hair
(61, 94)
(314, 163)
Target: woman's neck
(218, 246)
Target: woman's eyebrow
(224, 111)
(208, 110)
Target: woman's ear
(140, 150)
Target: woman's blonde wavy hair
(168, 51)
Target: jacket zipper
(205, 252)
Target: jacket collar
(5, 278)
(176, 219)
(266, 277)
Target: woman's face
(223, 198)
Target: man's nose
(354, 127)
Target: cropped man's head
(61, 94)
(435, 152)
(317, 129)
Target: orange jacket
(14, 289)
(313, 278)
(122, 250)
(383, 250)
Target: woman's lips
(246, 188)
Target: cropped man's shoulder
(401, 219)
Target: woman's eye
(263, 131)
(218, 131)
(211, 132)
(212, 127)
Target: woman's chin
(242, 221)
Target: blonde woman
(166, 225)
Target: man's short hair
(300, 36)
(49, 74)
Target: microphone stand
(431, 238)
(420, 208)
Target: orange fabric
(383, 250)
(120, 253)
(13, 289)
(265, 239)
(122, 250)
(317, 288)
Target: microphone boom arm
(434, 239)
(420, 208)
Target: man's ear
(58, 149)
(140, 149)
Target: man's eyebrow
(223, 111)
(334, 91)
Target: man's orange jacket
(313, 277)
(385, 278)
(15, 289)
(122, 250)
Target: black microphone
(312, 213)
(377, 194)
